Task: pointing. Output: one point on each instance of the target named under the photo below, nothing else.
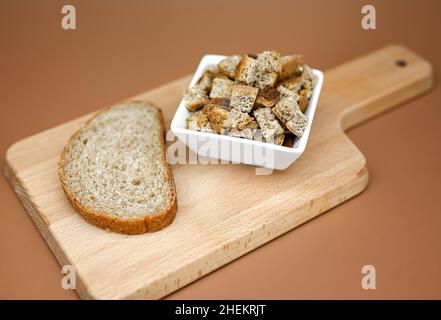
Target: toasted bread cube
(203, 121)
(199, 121)
(191, 120)
(237, 120)
(309, 80)
(216, 102)
(268, 124)
(243, 97)
(286, 108)
(279, 138)
(268, 61)
(217, 116)
(228, 65)
(246, 70)
(293, 83)
(291, 66)
(266, 79)
(195, 97)
(247, 132)
(304, 99)
(297, 124)
(267, 97)
(221, 88)
(284, 92)
(276, 139)
(206, 80)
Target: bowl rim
(300, 148)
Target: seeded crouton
(216, 102)
(228, 65)
(195, 97)
(268, 124)
(266, 79)
(288, 111)
(217, 116)
(291, 65)
(247, 132)
(198, 121)
(237, 120)
(267, 97)
(243, 97)
(304, 99)
(221, 88)
(206, 80)
(268, 61)
(286, 108)
(279, 138)
(293, 83)
(297, 124)
(276, 139)
(284, 92)
(309, 80)
(191, 121)
(246, 70)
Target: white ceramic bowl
(239, 150)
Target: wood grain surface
(224, 211)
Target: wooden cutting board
(225, 211)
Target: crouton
(199, 121)
(268, 124)
(206, 80)
(237, 120)
(279, 138)
(243, 97)
(309, 80)
(191, 120)
(228, 65)
(286, 108)
(284, 92)
(216, 102)
(195, 98)
(297, 124)
(291, 65)
(247, 132)
(266, 79)
(268, 61)
(267, 97)
(293, 83)
(288, 111)
(221, 88)
(217, 116)
(246, 70)
(303, 99)
(276, 139)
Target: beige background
(49, 75)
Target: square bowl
(239, 150)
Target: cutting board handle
(374, 83)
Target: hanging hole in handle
(401, 63)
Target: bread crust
(103, 220)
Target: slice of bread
(114, 170)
